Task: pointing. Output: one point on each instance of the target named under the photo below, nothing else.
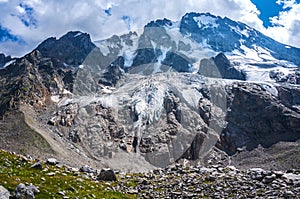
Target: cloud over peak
(36, 20)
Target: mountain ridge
(164, 94)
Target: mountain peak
(159, 23)
(226, 35)
(72, 48)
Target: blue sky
(268, 9)
(26, 23)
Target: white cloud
(286, 27)
(286, 3)
(55, 18)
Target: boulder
(25, 192)
(4, 193)
(220, 67)
(107, 174)
(52, 161)
(37, 165)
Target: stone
(52, 161)
(4, 193)
(62, 193)
(269, 179)
(107, 174)
(87, 169)
(278, 173)
(132, 191)
(25, 192)
(288, 194)
(37, 165)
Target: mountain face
(5, 60)
(225, 35)
(70, 49)
(200, 89)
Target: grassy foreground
(53, 181)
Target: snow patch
(204, 21)
(78, 34)
(271, 89)
(9, 63)
(238, 30)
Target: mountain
(206, 89)
(182, 45)
(5, 60)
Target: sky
(25, 24)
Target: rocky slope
(137, 102)
(47, 179)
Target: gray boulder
(4, 193)
(220, 67)
(25, 192)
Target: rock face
(225, 35)
(257, 117)
(157, 46)
(71, 49)
(111, 76)
(292, 78)
(220, 67)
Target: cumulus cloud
(286, 26)
(36, 20)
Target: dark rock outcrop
(107, 174)
(71, 49)
(4, 59)
(292, 78)
(256, 117)
(111, 76)
(152, 44)
(220, 67)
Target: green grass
(14, 170)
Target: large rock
(52, 161)
(107, 174)
(220, 67)
(4, 193)
(25, 192)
